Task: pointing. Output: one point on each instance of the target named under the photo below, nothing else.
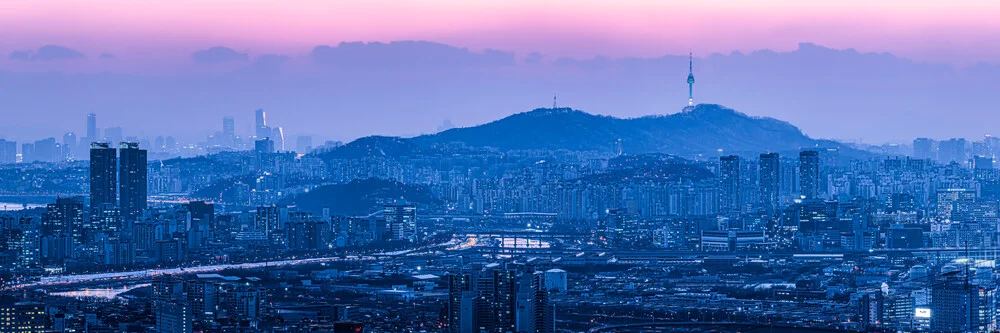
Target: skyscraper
(729, 183)
(132, 181)
(923, 148)
(103, 177)
(278, 136)
(92, 134)
(261, 128)
(303, 144)
(20, 316)
(64, 217)
(770, 181)
(809, 174)
(228, 126)
(8, 151)
(113, 135)
(401, 218)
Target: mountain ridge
(705, 129)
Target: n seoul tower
(690, 79)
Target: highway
(82, 278)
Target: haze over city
(163, 61)
(499, 166)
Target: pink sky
(960, 32)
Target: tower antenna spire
(690, 79)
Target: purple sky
(144, 64)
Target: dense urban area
(440, 234)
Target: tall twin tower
(118, 180)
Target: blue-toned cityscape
(262, 209)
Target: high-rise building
(303, 144)
(8, 151)
(260, 126)
(264, 146)
(809, 181)
(103, 177)
(69, 143)
(64, 217)
(92, 134)
(132, 181)
(730, 202)
(402, 220)
(923, 148)
(496, 304)
(228, 126)
(174, 317)
(770, 182)
(461, 300)
(952, 150)
(17, 316)
(958, 306)
(113, 135)
(278, 136)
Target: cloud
(107, 56)
(415, 55)
(534, 58)
(21, 55)
(218, 55)
(47, 53)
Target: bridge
(711, 327)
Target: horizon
(455, 166)
(229, 66)
(855, 71)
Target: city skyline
(450, 166)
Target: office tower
(92, 134)
(729, 184)
(228, 127)
(113, 135)
(882, 310)
(264, 146)
(170, 144)
(20, 238)
(18, 316)
(461, 300)
(952, 150)
(45, 150)
(303, 144)
(402, 220)
(278, 136)
(8, 152)
(770, 182)
(64, 217)
(809, 174)
(982, 163)
(132, 183)
(103, 177)
(269, 219)
(543, 310)
(68, 145)
(496, 304)
(174, 317)
(958, 306)
(923, 148)
(261, 128)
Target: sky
(960, 31)
(132, 60)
